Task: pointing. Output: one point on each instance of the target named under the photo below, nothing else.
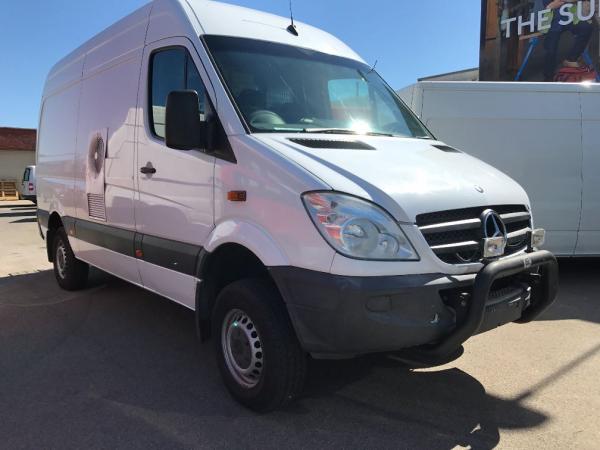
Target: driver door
(174, 207)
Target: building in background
(17, 150)
(527, 40)
(461, 75)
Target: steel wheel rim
(61, 260)
(242, 348)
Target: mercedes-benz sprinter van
(264, 176)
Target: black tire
(282, 361)
(71, 274)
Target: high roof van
(261, 174)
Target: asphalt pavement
(114, 366)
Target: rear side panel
(104, 161)
(56, 151)
(588, 242)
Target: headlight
(357, 228)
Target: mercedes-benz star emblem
(493, 225)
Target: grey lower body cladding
(174, 255)
(339, 316)
(342, 316)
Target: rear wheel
(257, 351)
(71, 273)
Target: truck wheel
(258, 354)
(70, 273)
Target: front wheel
(257, 351)
(71, 274)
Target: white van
(544, 135)
(27, 190)
(265, 177)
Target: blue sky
(410, 39)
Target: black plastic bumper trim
(174, 255)
(112, 238)
(344, 316)
(338, 316)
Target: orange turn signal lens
(236, 196)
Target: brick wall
(17, 150)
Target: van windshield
(282, 88)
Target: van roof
(165, 18)
(253, 24)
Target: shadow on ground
(19, 213)
(115, 366)
(17, 207)
(25, 220)
(27, 213)
(578, 291)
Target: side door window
(171, 69)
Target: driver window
(171, 69)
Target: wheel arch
(251, 236)
(227, 263)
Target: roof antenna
(292, 28)
(373, 67)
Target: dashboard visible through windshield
(282, 88)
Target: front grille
(456, 236)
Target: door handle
(148, 170)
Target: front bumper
(340, 316)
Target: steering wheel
(264, 117)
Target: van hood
(406, 176)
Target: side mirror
(183, 129)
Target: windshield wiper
(330, 130)
(377, 133)
(343, 131)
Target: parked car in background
(28, 189)
(266, 177)
(544, 135)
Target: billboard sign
(540, 40)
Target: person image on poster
(582, 33)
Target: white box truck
(544, 135)
(262, 175)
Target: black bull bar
(542, 297)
